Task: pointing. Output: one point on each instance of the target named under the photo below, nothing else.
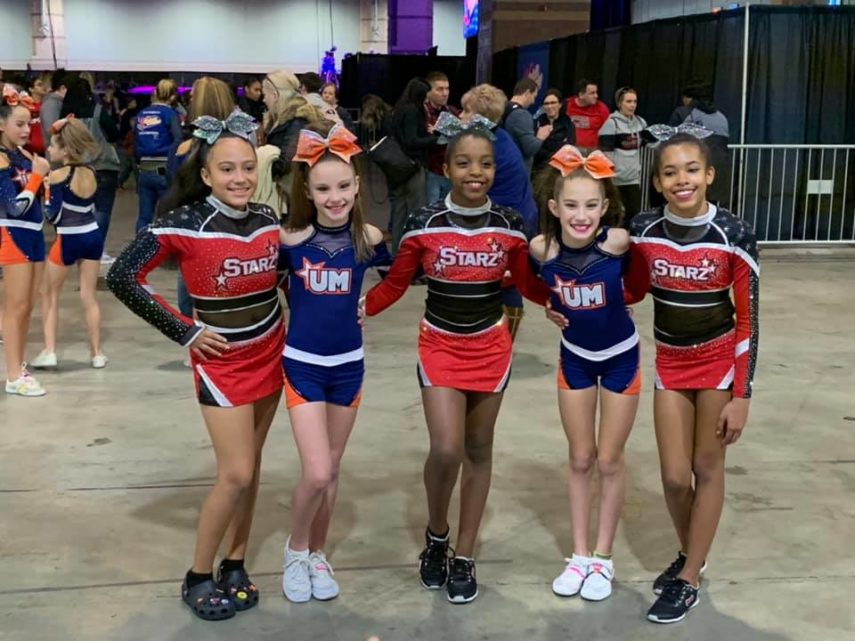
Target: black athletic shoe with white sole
(462, 586)
(677, 598)
(672, 573)
(433, 562)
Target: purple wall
(410, 26)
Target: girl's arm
(15, 204)
(404, 267)
(127, 279)
(381, 256)
(746, 298)
(524, 275)
(636, 276)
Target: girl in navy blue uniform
(582, 258)
(326, 249)
(22, 242)
(71, 208)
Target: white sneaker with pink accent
(324, 586)
(598, 584)
(570, 581)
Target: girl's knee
(609, 464)
(582, 462)
(446, 455)
(676, 481)
(708, 467)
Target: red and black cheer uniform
(464, 341)
(228, 259)
(706, 337)
(77, 234)
(21, 221)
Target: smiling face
(682, 177)
(333, 186)
(579, 207)
(551, 106)
(15, 128)
(471, 168)
(231, 171)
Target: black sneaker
(462, 586)
(677, 598)
(433, 562)
(672, 573)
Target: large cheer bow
(450, 126)
(568, 159)
(311, 146)
(238, 123)
(665, 132)
(13, 97)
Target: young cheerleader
(227, 248)
(465, 244)
(582, 258)
(326, 248)
(22, 243)
(71, 208)
(706, 351)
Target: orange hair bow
(13, 97)
(568, 159)
(311, 146)
(56, 127)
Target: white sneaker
(25, 385)
(44, 360)
(106, 259)
(598, 584)
(99, 361)
(324, 586)
(296, 584)
(570, 581)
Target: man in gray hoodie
(518, 121)
(52, 103)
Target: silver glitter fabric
(450, 126)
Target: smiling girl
(326, 249)
(226, 248)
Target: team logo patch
(319, 279)
(456, 257)
(703, 271)
(148, 120)
(585, 296)
(233, 267)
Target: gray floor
(101, 480)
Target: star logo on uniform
(272, 248)
(496, 248)
(438, 266)
(308, 268)
(21, 177)
(221, 280)
(561, 284)
(707, 263)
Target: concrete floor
(101, 480)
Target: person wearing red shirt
(38, 89)
(588, 114)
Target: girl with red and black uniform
(702, 265)
(227, 249)
(464, 244)
(22, 241)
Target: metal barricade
(789, 193)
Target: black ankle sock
(434, 535)
(193, 578)
(228, 565)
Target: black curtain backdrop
(610, 13)
(801, 69)
(387, 75)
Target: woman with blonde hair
(287, 111)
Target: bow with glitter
(13, 97)
(238, 123)
(664, 132)
(311, 146)
(568, 159)
(450, 126)
(56, 127)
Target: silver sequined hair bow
(238, 123)
(450, 126)
(665, 132)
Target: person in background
(517, 121)
(329, 94)
(310, 84)
(157, 130)
(438, 185)
(52, 103)
(679, 115)
(251, 102)
(287, 111)
(705, 114)
(588, 114)
(563, 132)
(125, 146)
(80, 101)
(620, 139)
(38, 88)
(375, 119)
(110, 101)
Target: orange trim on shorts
(55, 255)
(562, 382)
(357, 400)
(292, 396)
(634, 388)
(10, 253)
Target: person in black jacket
(412, 133)
(563, 132)
(250, 102)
